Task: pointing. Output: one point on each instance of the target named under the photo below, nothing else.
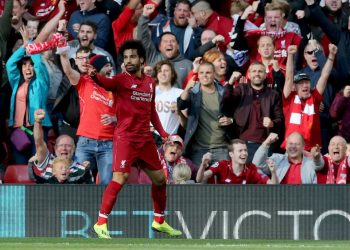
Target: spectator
(336, 163)
(207, 18)
(315, 60)
(168, 47)
(87, 35)
(41, 165)
(340, 112)
(292, 167)
(301, 107)
(166, 96)
(255, 108)
(274, 28)
(202, 101)
(236, 170)
(124, 26)
(181, 26)
(89, 12)
(45, 10)
(97, 108)
(102, 64)
(29, 79)
(170, 155)
(182, 174)
(337, 36)
(274, 70)
(5, 27)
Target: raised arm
(71, 73)
(288, 85)
(40, 145)
(202, 174)
(261, 155)
(51, 25)
(327, 69)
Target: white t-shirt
(164, 100)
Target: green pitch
(164, 244)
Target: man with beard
(133, 142)
(187, 35)
(255, 108)
(97, 110)
(292, 167)
(86, 38)
(301, 107)
(89, 12)
(336, 163)
(237, 170)
(168, 47)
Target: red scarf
(57, 40)
(301, 120)
(342, 171)
(168, 175)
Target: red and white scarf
(342, 171)
(301, 120)
(58, 40)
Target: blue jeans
(99, 154)
(219, 154)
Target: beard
(132, 68)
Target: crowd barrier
(312, 212)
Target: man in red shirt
(301, 107)
(336, 163)
(236, 171)
(209, 19)
(133, 141)
(293, 167)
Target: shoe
(165, 228)
(102, 231)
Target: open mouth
(336, 153)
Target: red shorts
(126, 153)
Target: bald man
(293, 167)
(336, 165)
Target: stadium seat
(17, 174)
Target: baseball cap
(175, 139)
(301, 76)
(99, 61)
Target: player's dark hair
(84, 50)
(133, 44)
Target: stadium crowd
(248, 91)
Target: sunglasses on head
(309, 52)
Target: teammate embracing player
(132, 138)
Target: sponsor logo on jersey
(133, 86)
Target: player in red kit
(133, 142)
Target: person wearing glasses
(97, 119)
(301, 107)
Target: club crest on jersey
(122, 164)
(215, 165)
(151, 87)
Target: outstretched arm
(327, 69)
(71, 73)
(40, 145)
(202, 174)
(288, 85)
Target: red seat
(17, 174)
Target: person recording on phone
(204, 131)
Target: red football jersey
(249, 175)
(135, 106)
